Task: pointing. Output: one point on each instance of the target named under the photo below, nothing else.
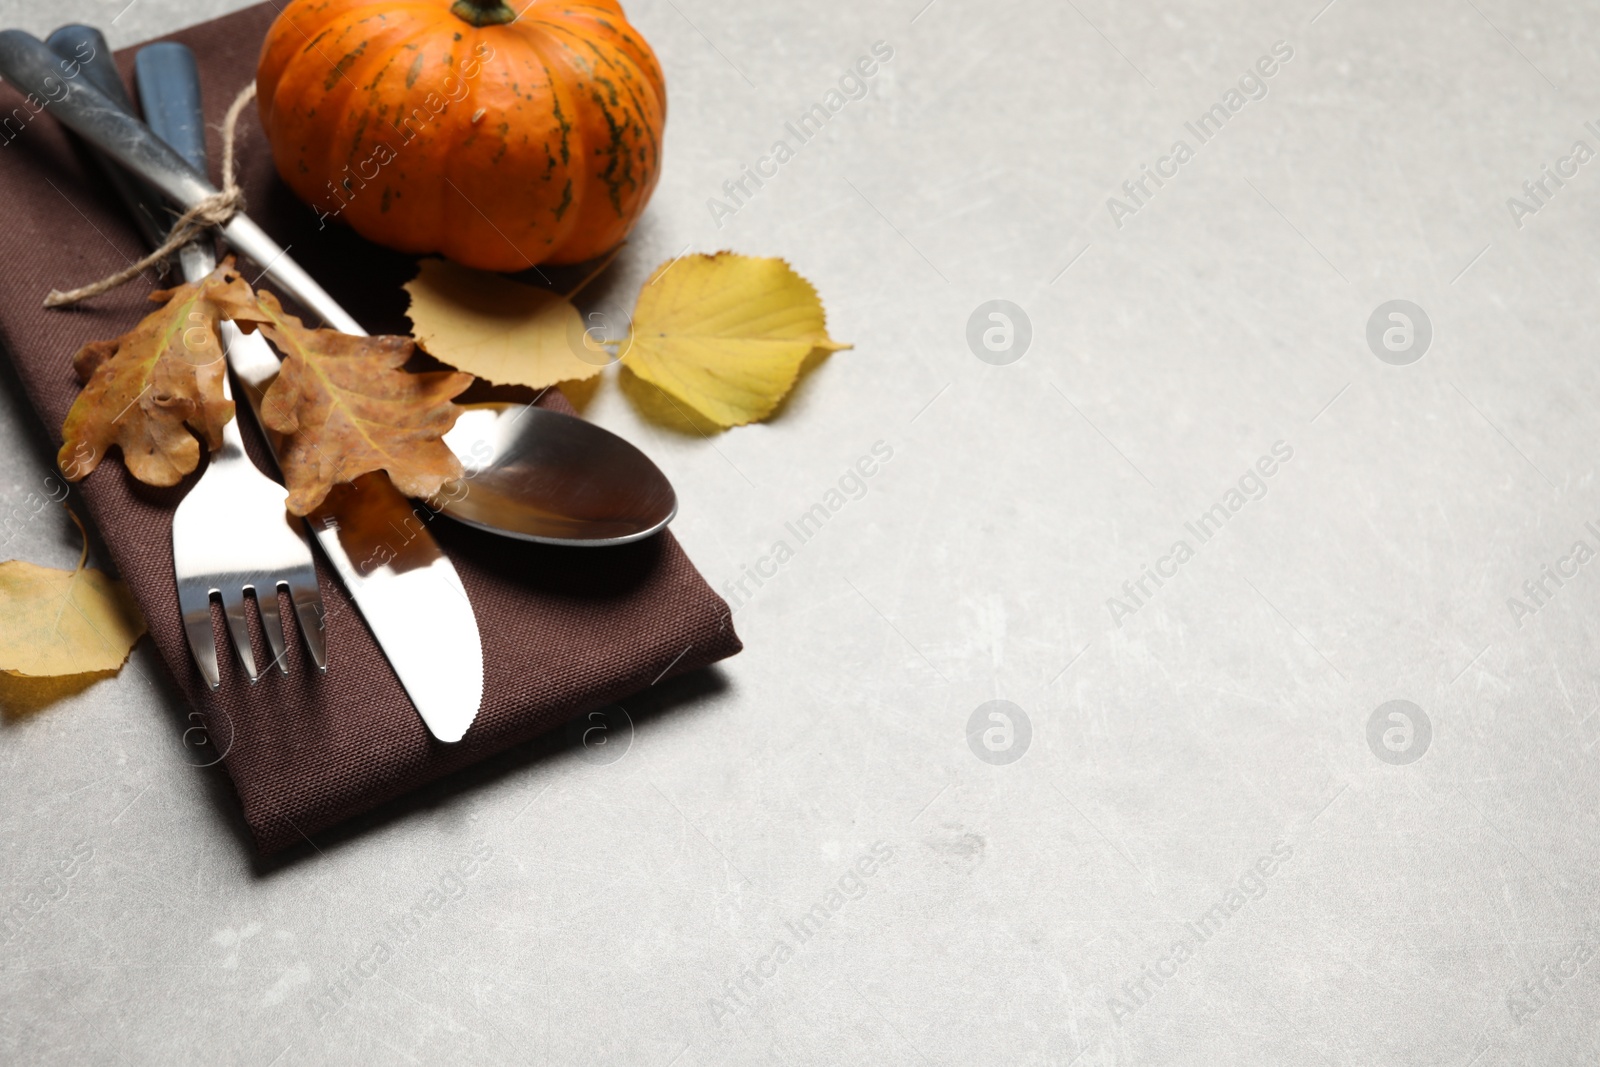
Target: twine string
(214, 210)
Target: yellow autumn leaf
(725, 334)
(499, 330)
(55, 622)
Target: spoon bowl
(540, 475)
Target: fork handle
(87, 49)
(168, 80)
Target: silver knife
(407, 590)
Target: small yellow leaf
(55, 622)
(499, 330)
(725, 334)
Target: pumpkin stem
(483, 12)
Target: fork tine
(233, 609)
(194, 600)
(272, 625)
(308, 609)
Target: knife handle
(169, 88)
(84, 53)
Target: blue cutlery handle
(85, 54)
(169, 89)
(86, 47)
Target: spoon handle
(91, 114)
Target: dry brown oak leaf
(146, 390)
(345, 407)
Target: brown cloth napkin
(564, 630)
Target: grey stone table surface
(1288, 591)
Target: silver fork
(231, 535)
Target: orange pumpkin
(499, 139)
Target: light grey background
(1225, 716)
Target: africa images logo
(1252, 85)
(1251, 486)
(740, 993)
(853, 84)
(1249, 886)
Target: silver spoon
(543, 476)
(532, 474)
